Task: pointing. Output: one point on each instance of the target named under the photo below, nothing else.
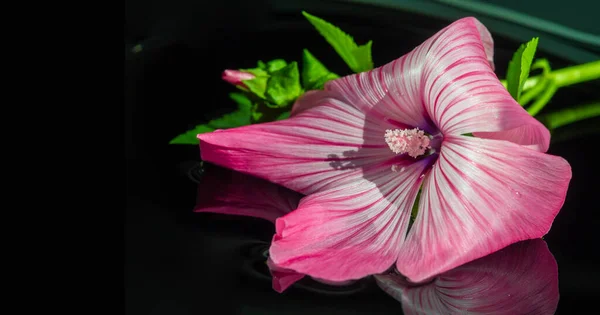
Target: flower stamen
(411, 141)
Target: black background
(178, 262)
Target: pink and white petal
(228, 192)
(309, 100)
(320, 147)
(519, 279)
(487, 40)
(480, 196)
(534, 136)
(462, 93)
(390, 93)
(350, 231)
(282, 278)
(395, 92)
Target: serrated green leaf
(363, 52)
(189, 137)
(241, 100)
(284, 115)
(358, 58)
(519, 67)
(275, 65)
(283, 87)
(256, 114)
(258, 85)
(314, 73)
(259, 71)
(240, 117)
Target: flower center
(411, 141)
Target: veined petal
(328, 144)
(350, 231)
(308, 100)
(487, 40)
(463, 95)
(228, 192)
(481, 195)
(391, 93)
(282, 278)
(519, 279)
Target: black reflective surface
(181, 262)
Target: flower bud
(235, 77)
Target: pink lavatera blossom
(358, 150)
(519, 279)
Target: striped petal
(351, 231)
(326, 145)
(463, 95)
(480, 196)
(447, 83)
(228, 192)
(519, 279)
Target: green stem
(537, 106)
(567, 76)
(571, 115)
(533, 92)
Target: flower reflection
(519, 279)
(227, 192)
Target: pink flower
(356, 149)
(519, 279)
(235, 77)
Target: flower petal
(487, 40)
(519, 279)
(228, 192)
(463, 95)
(350, 231)
(309, 100)
(282, 278)
(481, 195)
(390, 93)
(447, 83)
(326, 145)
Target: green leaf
(358, 58)
(519, 67)
(189, 137)
(284, 115)
(275, 65)
(263, 71)
(259, 71)
(256, 114)
(283, 87)
(258, 85)
(314, 73)
(240, 117)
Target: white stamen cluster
(411, 141)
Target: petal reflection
(519, 279)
